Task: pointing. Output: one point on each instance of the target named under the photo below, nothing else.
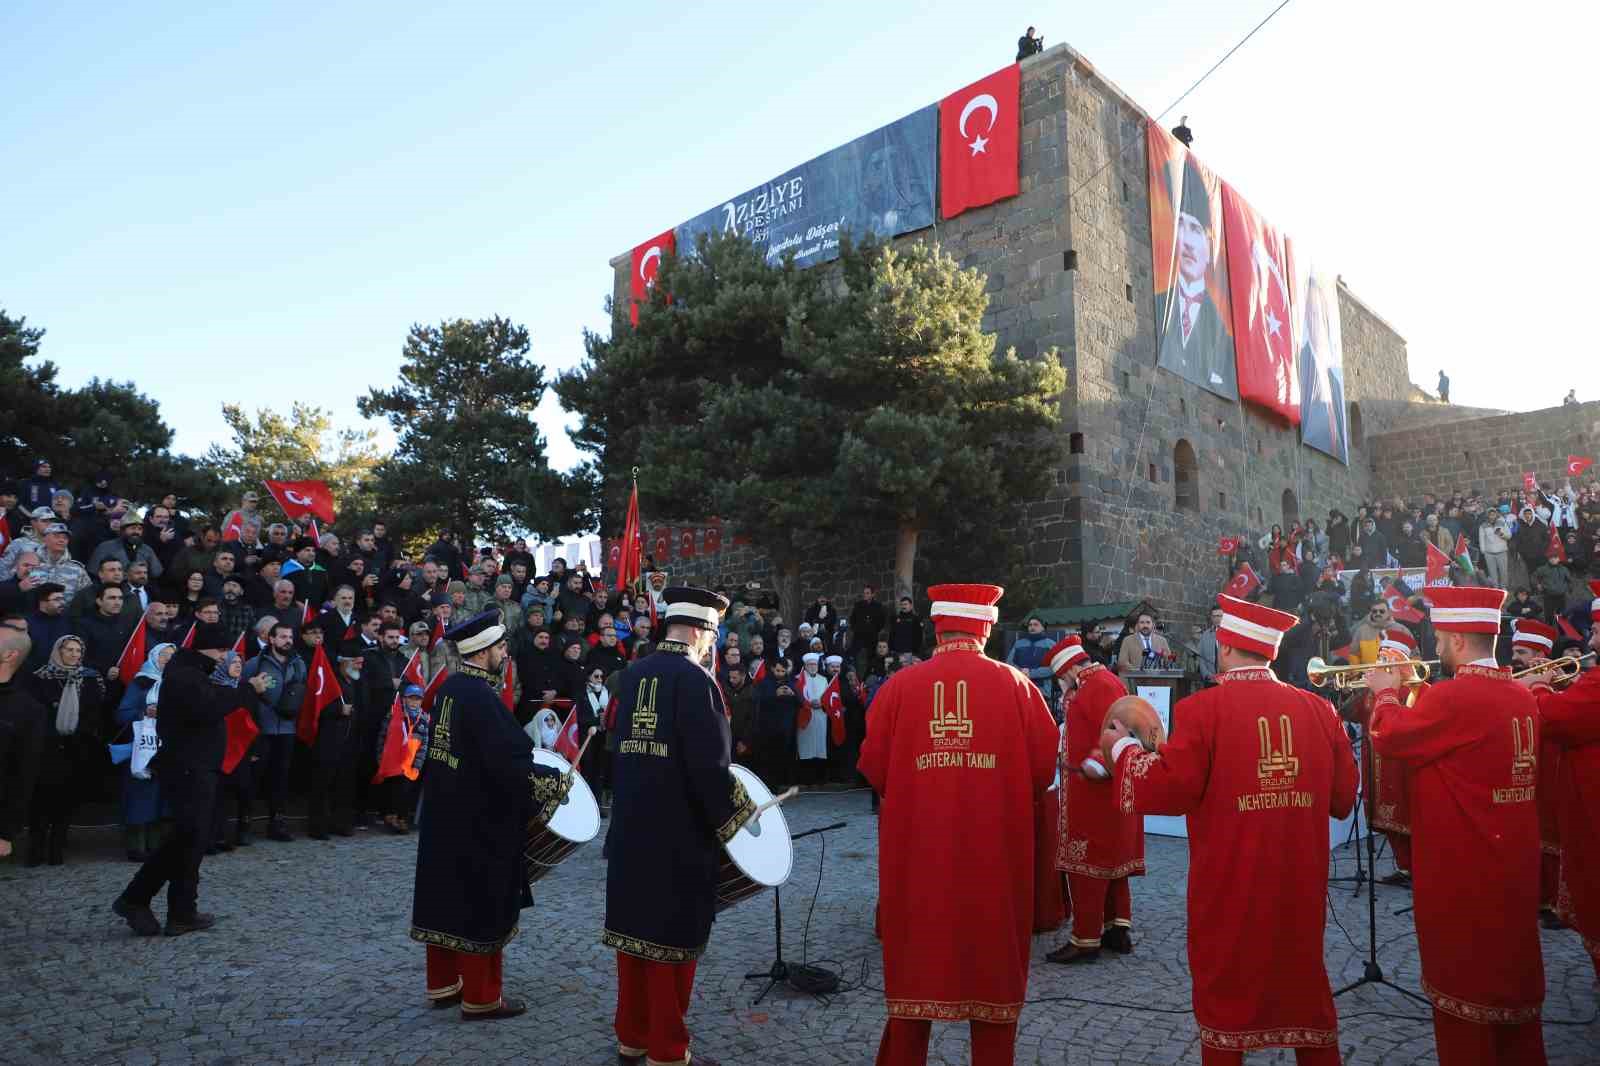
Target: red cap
(1594, 590)
(1067, 652)
(1399, 641)
(965, 608)
(1465, 608)
(1535, 636)
(1252, 627)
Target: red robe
(1571, 719)
(960, 748)
(1388, 801)
(1049, 895)
(1258, 767)
(1473, 751)
(1097, 839)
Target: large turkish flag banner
(1263, 334)
(980, 142)
(646, 261)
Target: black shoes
(276, 831)
(1399, 879)
(508, 1008)
(141, 920)
(195, 923)
(1119, 939)
(341, 829)
(1069, 954)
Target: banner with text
(881, 184)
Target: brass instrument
(1353, 678)
(1567, 668)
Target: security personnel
(480, 792)
(674, 804)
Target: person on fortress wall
(1029, 44)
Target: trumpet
(1353, 678)
(1566, 669)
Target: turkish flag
(5, 535)
(1245, 582)
(833, 705)
(1530, 483)
(1438, 566)
(1400, 607)
(412, 674)
(399, 747)
(431, 693)
(614, 554)
(1576, 465)
(438, 634)
(1227, 545)
(1258, 277)
(1555, 546)
(322, 688)
(242, 728)
(686, 543)
(661, 545)
(713, 535)
(133, 653)
(234, 529)
(301, 498)
(1566, 628)
(980, 142)
(508, 687)
(188, 638)
(567, 739)
(642, 276)
(758, 674)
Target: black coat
(867, 621)
(907, 633)
(21, 735)
(190, 713)
(480, 789)
(674, 803)
(69, 760)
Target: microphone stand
(780, 972)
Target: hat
(250, 495)
(811, 658)
(439, 599)
(1397, 640)
(506, 579)
(1465, 609)
(1068, 651)
(57, 527)
(1535, 636)
(210, 636)
(41, 513)
(964, 608)
(1251, 627)
(352, 649)
(412, 690)
(691, 605)
(834, 660)
(481, 631)
(302, 543)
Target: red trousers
(1400, 844)
(1463, 1043)
(1549, 879)
(652, 999)
(476, 977)
(1097, 905)
(1303, 1056)
(905, 1043)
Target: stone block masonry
(1488, 454)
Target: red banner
(642, 276)
(322, 688)
(1577, 464)
(661, 545)
(1530, 483)
(133, 653)
(713, 537)
(980, 142)
(686, 543)
(1263, 336)
(301, 498)
(1244, 583)
(1438, 566)
(1227, 545)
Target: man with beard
(777, 711)
(867, 622)
(480, 793)
(906, 632)
(1195, 343)
(195, 700)
(540, 669)
(276, 714)
(128, 547)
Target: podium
(1163, 689)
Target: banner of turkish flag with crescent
(133, 653)
(661, 545)
(322, 688)
(1258, 275)
(686, 544)
(980, 142)
(567, 740)
(1245, 582)
(713, 543)
(301, 498)
(642, 276)
(1577, 464)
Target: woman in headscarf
(73, 738)
(142, 806)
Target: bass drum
(575, 823)
(761, 854)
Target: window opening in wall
(1186, 476)
(1291, 508)
(1075, 444)
(1152, 474)
(1124, 380)
(1222, 501)
(1357, 433)
(1127, 291)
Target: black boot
(1119, 939)
(1069, 954)
(58, 844)
(276, 830)
(38, 845)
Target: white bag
(145, 745)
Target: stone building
(1152, 470)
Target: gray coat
(116, 548)
(279, 709)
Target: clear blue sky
(253, 202)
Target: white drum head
(578, 817)
(765, 856)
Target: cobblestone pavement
(310, 964)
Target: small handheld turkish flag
(1438, 566)
(1555, 547)
(1400, 607)
(1245, 582)
(1530, 483)
(412, 674)
(234, 530)
(133, 653)
(980, 142)
(242, 728)
(1227, 545)
(833, 704)
(322, 688)
(567, 739)
(1577, 464)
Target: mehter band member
(961, 748)
(674, 804)
(1386, 795)
(1531, 643)
(480, 791)
(1571, 719)
(1257, 767)
(1472, 746)
(1099, 845)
